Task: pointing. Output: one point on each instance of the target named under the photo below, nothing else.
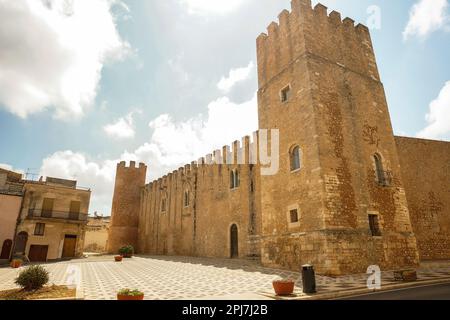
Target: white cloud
(6, 166)
(97, 175)
(53, 52)
(425, 17)
(438, 117)
(10, 168)
(123, 128)
(172, 144)
(205, 7)
(235, 76)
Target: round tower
(126, 205)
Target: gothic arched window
(186, 198)
(379, 170)
(295, 158)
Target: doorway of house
(6, 249)
(70, 242)
(38, 253)
(234, 242)
(21, 243)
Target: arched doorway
(234, 242)
(21, 243)
(6, 249)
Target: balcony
(59, 215)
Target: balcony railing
(61, 215)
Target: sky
(85, 84)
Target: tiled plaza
(187, 277)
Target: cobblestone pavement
(188, 277)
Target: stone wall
(425, 167)
(202, 225)
(96, 235)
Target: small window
(186, 198)
(163, 205)
(293, 215)
(39, 229)
(374, 225)
(285, 94)
(295, 159)
(382, 176)
(234, 179)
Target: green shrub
(129, 292)
(32, 278)
(126, 250)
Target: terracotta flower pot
(129, 298)
(16, 264)
(283, 287)
(118, 258)
(127, 255)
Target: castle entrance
(234, 242)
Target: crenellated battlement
(123, 165)
(312, 31)
(240, 152)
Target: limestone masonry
(348, 193)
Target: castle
(347, 193)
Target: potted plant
(118, 258)
(127, 294)
(283, 287)
(126, 251)
(16, 263)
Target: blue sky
(84, 84)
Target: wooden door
(21, 243)
(6, 249)
(234, 242)
(69, 246)
(74, 212)
(47, 207)
(38, 253)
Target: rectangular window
(294, 215)
(285, 94)
(374, 225)
(39, 229)
(163, 205)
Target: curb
(353, 292)
(356, 291)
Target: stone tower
(319, 85)
(126, 205)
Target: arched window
(295, 158)
(379, 170)
(186, 198)
(234, 179)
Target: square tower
(338, 200)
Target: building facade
(347, 193)
(11, 195)
(52, 221)
(96, 237)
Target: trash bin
(308, 279)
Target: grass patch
(50, 292)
